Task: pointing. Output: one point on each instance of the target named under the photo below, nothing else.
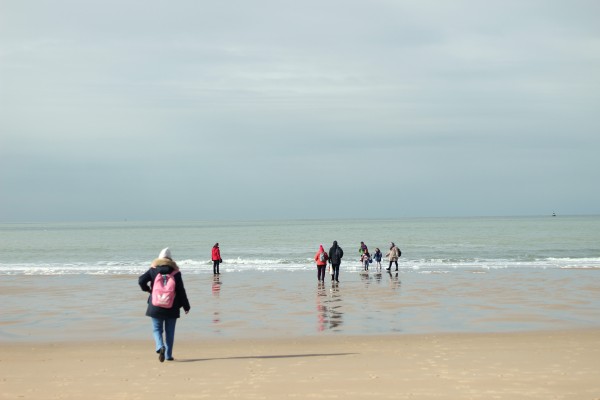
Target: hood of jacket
(159, 262)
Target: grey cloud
(487, 104)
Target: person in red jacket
(321, 259)
(216, 259)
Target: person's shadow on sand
(264, 357)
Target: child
(377, 257)
(365, 259)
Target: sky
(220, 110)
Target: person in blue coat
(377, 256)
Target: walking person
(167, 295)
(335, 259)
(321, 258)
(377, 256)
(393, 255)
(216, 259)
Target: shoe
(396, 269)
(170, 359)
(387, 269)
(161, 354)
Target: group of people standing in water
(335, 254)
(333, 258)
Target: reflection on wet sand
(394, 280)
(329, 313)
(367, 279)
(276, 304)
(216, 286)
(216, 291)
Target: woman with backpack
(167, 295)
(321, 259)
(393, 255)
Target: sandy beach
(532, 365)
(515, 333)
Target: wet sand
(258, 305)
(531, 365)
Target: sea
(78, 280)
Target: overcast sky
(195, 110)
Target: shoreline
(520, 365)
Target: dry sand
(538, 365)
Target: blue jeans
(157, 331)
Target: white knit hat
(165, 253)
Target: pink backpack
(163, 291)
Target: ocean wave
(300, 264)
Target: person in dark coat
(335, 259)
(164, 319)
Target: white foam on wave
(300, 264)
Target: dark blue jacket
(335, 254)
(146, 281)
